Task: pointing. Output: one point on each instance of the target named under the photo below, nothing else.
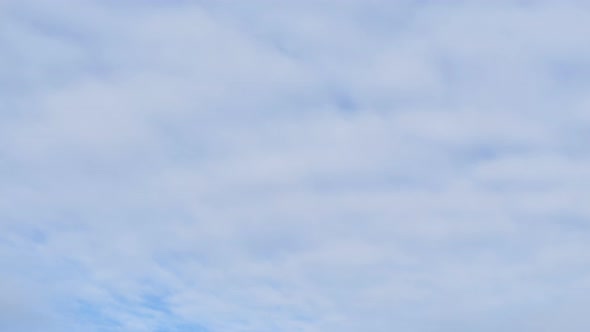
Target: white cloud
(308, 167)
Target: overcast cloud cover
(282, 166)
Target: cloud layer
(294, 166)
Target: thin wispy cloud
(294, 166)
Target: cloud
(313, 166)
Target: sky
(282, 166)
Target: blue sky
(282, 166)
